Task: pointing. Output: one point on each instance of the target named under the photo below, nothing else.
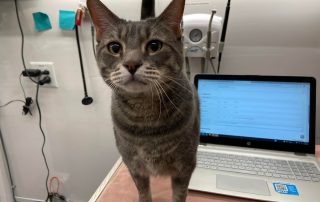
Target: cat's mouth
(135, 85)
(133, 80)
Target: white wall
(80, 144)
(5, 192)
(264, 37)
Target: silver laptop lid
(268, 112)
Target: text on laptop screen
(275, 111)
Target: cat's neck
(132, 98)
(138, 108)
(136, 102)
(154, 103)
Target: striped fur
(155, 111)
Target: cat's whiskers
(158, 78)
(116, 75)
(154, 77)
(151, 73)
(175, 90)
(162, 97)
(112, 85)
(151, 79)
(151, 98)
(168, 97)
(158, 93)
(115, 78)
(175, 81)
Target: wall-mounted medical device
(195, 32)
(201, 34)
(204, 37)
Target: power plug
(47, 69)
(34, 72)
(45, 80)
(31, 72)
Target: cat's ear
(172, 16)
(103, 19)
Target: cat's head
(137, 57)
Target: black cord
(22, 88)
(28, 100)
(44, 139)
(37, 95)
(219, 62)
(224, 32)
(22, 34)
(92, 37)
(22, 41)
(12, 101)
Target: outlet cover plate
(47, 66)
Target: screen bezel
(266, 144)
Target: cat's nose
(132, 66)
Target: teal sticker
(289, 189)
(41, 21)
(67, 19)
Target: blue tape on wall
(67, 20)
(41, 21)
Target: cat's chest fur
(152, 156)
(150, 141)
(155, 161)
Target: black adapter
(34, 72)
(31, 72)
(26, 108)
(45, 72)
(45, 80)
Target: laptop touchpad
(241, 184)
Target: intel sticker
(289, 189)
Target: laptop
(257, 138)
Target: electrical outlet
(47, 66)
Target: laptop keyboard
(293, 170)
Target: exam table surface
(120, 187)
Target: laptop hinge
(300, 154)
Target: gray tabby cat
(155, 109)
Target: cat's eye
(154, 46)
(114, 48)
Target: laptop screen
(255, 110)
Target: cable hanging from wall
(224, 33)
(38, 82)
